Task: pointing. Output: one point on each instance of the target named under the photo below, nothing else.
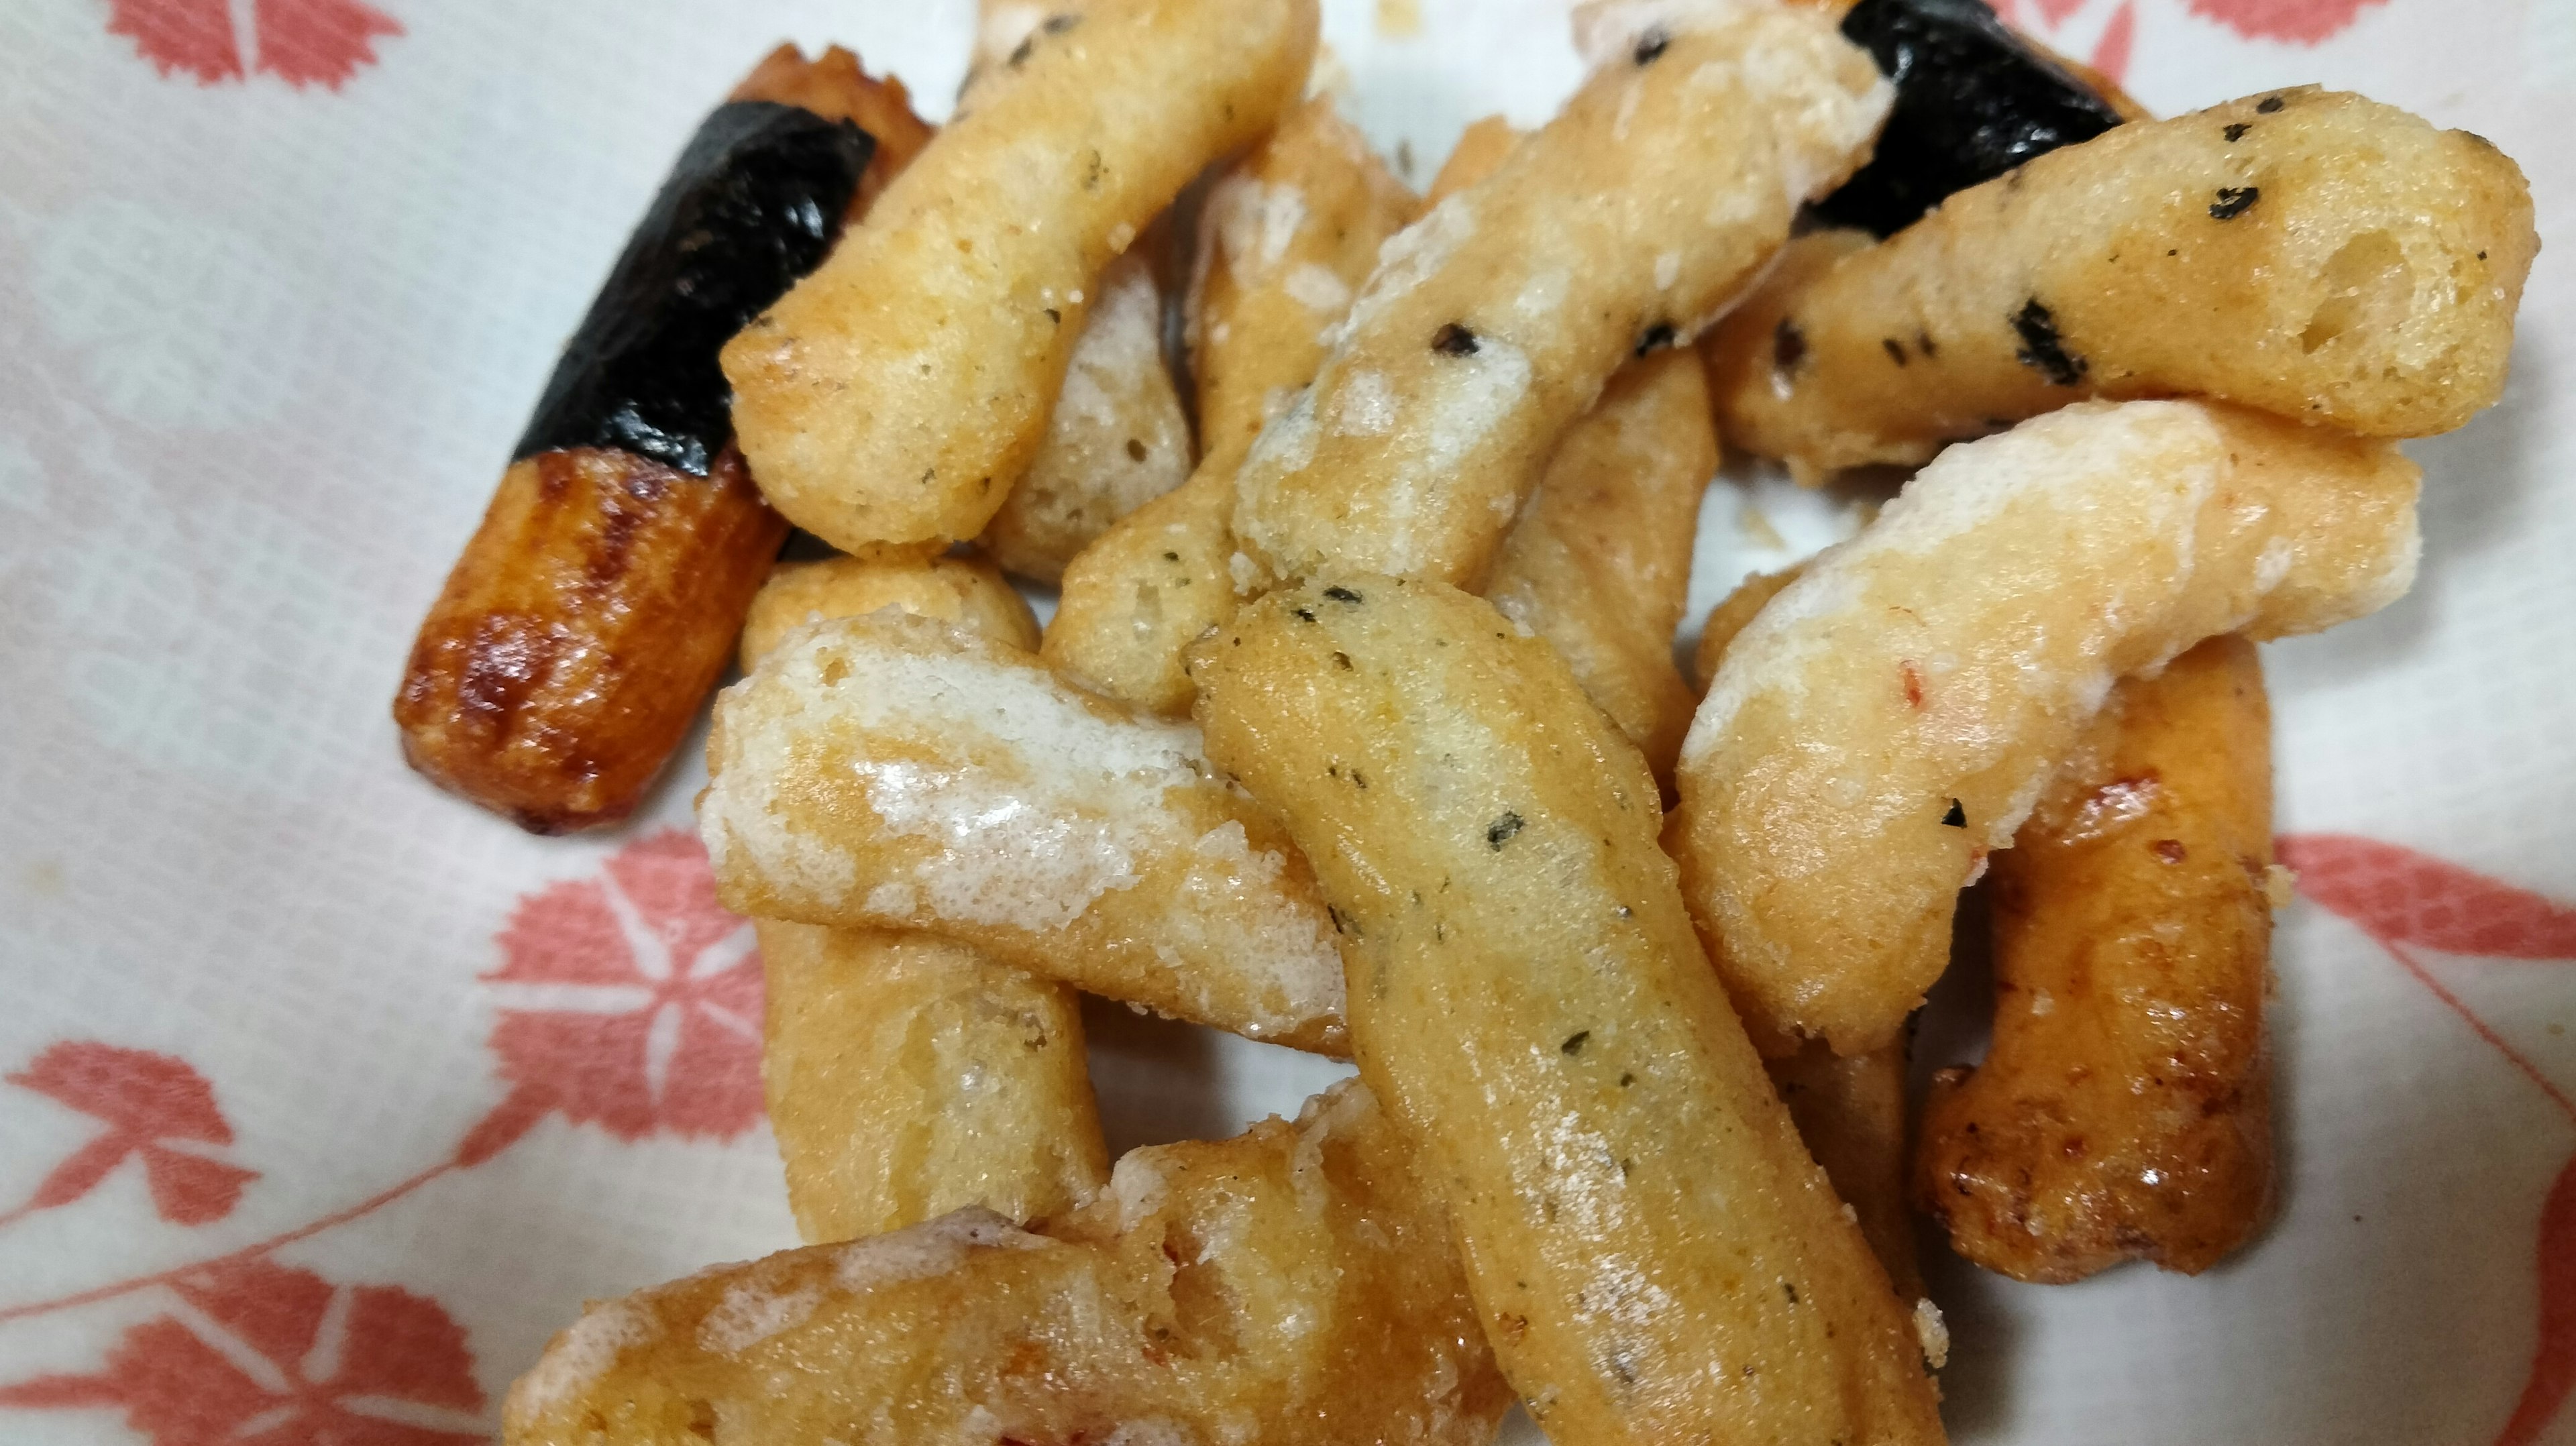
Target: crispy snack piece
(593, 608)
(582, 625)
(1850, 1111)
(1284, 239)
(835, 88)
(1115, 441)
(909, 1076)
(1599, 564)
(966, 591)
(1644, 1234)
(2310, 253)
(1621, 227)
(2125, 1109)
(1481, 150)
(1289, 1286)
(1732, 613)
(895, 772)
(1891, 717)
(896, 393)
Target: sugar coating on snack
(583, 1353)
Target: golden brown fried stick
(2124, 1110)
(896, 393)
(2313, 254)
(1115, 440)
(1599, 562)
(595, 605)
(908, 1076)
(964, 590)
(896, 772)
(1620, 227)
(1652, 1252)
(1290, 1286)
(1284, 239)
(1850, 1111)
(1890, 718)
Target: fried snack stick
(1891, 717)
(895, 772)
(2309, 253)
(908, 1076)
(1599, 562)
(896, 393)
(1653, 1254)
(2124, 1110)
(1851, 1112)
(1619, 228)
(1284, 239)
(594, 607)
(1287, 1287)
(1115, 441)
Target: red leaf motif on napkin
(268, 1355)
(301, 42)
(2553, 1359)
(2398, 895)
(2303, 21)
(632, 1002)
(146, 1100)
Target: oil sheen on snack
(597, 601)
(1973, 100)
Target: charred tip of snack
(1957, 817)
(2042, 349)
(1656, 338)
(1788, 346)
(1652, 45)
(1341, 594)
(2236, 131)
(1454, 339)
(1500, 831)
(1574, 1042)
(2270, 105)
(2234, 201)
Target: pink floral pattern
(302, 42)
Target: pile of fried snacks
(1358, 727)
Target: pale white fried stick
(908, 1075)
(1849, 1110)
(895, 772)
(1653, 1254)
(899, 389)
(1285, 238)
(1599, 563)
(1293, 1286)
(1115, 441)
(1891, 716)
(1622, 226)
(2314, 254)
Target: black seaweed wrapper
(752, 205)
(1972, 102)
